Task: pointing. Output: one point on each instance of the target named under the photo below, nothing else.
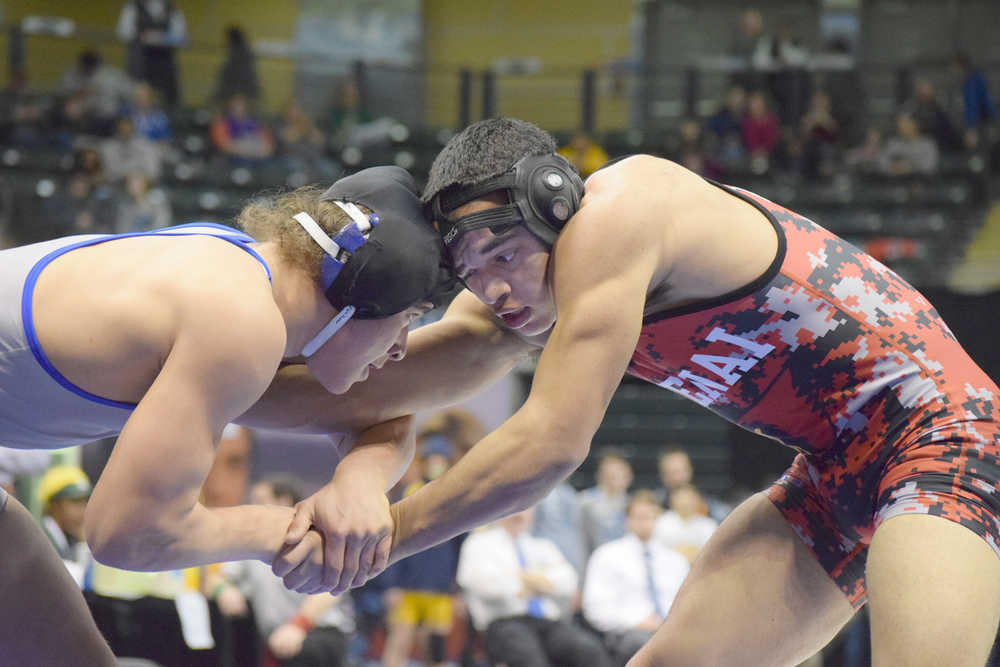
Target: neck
(302, 305)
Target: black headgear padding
(543, 192)
(402, 263)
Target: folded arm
(144, 513)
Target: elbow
(108, 543)
(123, 542)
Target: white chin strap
(333, 250)
(326, 333)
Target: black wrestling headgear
(383, 263)
(543, 193)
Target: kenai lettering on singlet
(729, 369)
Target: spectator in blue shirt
(979, 108)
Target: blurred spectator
(558, 518)
(819, 132)
(228, 481)
(238, 74)
(127, 152)
(748, 41)
(420, 590)
(18, 463)
(298, 630)
(759, 127)
(348, 113)
(685, 526)
(844, 84)
(931, 117)
(868, 155)
(584, 153)
(676, 470)
(602, 506)
(631, 582)
(148, 118)
(726, 127)
(462, 428)
(303, 146)
(978, 106)
(87, 164)
(909, 152)
(239, 135)
(96, 93)
(517, 586)
(63, 492)
(153, 29)
(24, 113)
(771, 62)
(689, 150)
(80, 207)
(142, 208)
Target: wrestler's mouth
(516, 319)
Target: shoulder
(222, 296)
(624, 213)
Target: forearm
(509, 470)
(383, 451)
(200, 537)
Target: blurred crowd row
(583, 578)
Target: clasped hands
(339, 538)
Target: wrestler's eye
(505, 257)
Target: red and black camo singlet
(826, 347)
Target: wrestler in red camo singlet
(833, 354)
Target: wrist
(364, 467)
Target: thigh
(570, 645)
(514, 642)
(756, 595)
(934, 593)
(43, 617)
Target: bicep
(209, 377)
(600, 294)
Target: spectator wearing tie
(631, 582)
(516, 587)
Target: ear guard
(543, 191)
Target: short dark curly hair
(484, 150)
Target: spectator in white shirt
(516, 587)
(685, 526)
(631, 582)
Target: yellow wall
(567, 36)
(49, 57)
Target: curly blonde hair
(269, 218)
